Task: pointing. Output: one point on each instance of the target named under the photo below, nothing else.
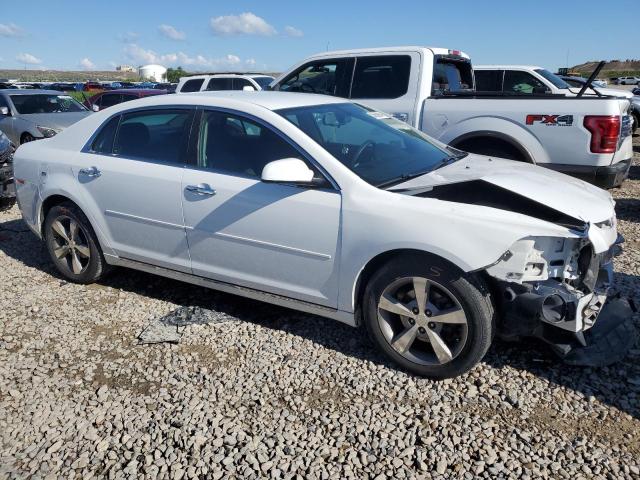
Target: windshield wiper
(451, 159)
(402, 178)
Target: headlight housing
(47, 132)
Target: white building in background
(155, 73)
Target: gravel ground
(256, 391)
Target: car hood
(514, 186)
(58, 121)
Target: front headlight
(47, 132)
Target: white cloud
(128, 37)
(28, 58)
(171, 32)
(139, 55)
(10, 30)
(87, 64)
(244, 24)
(293, 31)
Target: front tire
(428, 316)
(26, 138)
(73, 245)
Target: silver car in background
(27, 115)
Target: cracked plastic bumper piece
(608, 341)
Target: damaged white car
(327, 207)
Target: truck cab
(434, 90)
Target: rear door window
(103, 142)
(154, 135)
(381, 76)
(451, 75)
(192, 85)
(328, 77)
(516, 81)
(216, 84)
(489, 80)
(240, 83)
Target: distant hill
(613, 68)
(67, 76)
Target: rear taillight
(605, 131)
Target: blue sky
(262, 35)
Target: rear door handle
(201, 189)
(90, 172)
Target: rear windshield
(552, 77)
(451, 75)
(28, 104)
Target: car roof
(507, 67)
(266, 99)
(30, 91)
(397, 49)
(142, 91)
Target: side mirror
(95, 107)
(248, 88)
(287, 170)
(4, 111)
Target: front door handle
(90, 172)
(201, 189)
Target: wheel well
(493, 145)
(49, 203)
(24, 134)
(378, 261)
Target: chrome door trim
(300, 305)
(113, 213)
(301, 251)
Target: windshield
(27, 104)
(552, 77)
(451, 75)
(380, 149)
(263, 81)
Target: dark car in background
(103, 100)
(7, 189)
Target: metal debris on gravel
(278, 394)
(169, 327)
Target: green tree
(174, 74)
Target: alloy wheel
(70, 244)
(422, 321)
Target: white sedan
(328, 207)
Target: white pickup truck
(433, 89)
(531, 79)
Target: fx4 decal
(554, 120)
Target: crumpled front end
(561, 291)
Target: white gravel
(264, 392)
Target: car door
(277, 238)
(131, 175)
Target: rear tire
(73, 245)
(492, 147)
(441, 334)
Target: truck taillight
(605, 131)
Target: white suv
(223, 81)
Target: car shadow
(609, 385)
(627, 209)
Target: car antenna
(592, 77)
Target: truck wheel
(428, 316)
(72, 244)
(26, 137)
(492, 147)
